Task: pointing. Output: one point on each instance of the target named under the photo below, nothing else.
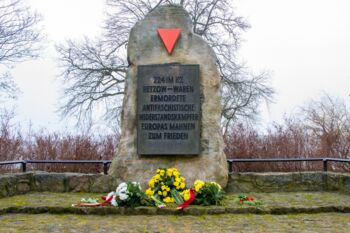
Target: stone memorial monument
(171, 109)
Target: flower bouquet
(243, 199)
(169, 186)
(166, 185)
(127, 194)
(208, 193)
(130, 195)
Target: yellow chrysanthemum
(149, 192)
(160, 193)
(182, 185)
(186, 194)
(198, 185)
(151, 183)
(169, 200)
(165, 193)
(169, 172)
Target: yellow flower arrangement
(186, 194)
(165, 180)
(168, 186)
(198, 185)
(208, 193)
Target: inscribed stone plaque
(168, 106)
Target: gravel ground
(325, 222)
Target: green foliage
(177, 197)
(210, 194)
(136, 197)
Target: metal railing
(25, 162)
(272, 160)
(229, 162)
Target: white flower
(114, 201)
(122, 191)
(122, 188)
(123, 196)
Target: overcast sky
(305, 44)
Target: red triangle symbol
(169, 37)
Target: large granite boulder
(145, 48)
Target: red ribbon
(107, 200)
(188, 202)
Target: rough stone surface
(80, 183)
(12, 184)
(335, 182)
(103, 184)
(288, 182)
(21, 183)
(146, 48)
(53, 182)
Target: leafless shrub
(320, 129)
(41, 146)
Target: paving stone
(325, 222)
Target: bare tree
(95, 74)
(18, 39)
(88, 70)
(328, 118)
(8, 87)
